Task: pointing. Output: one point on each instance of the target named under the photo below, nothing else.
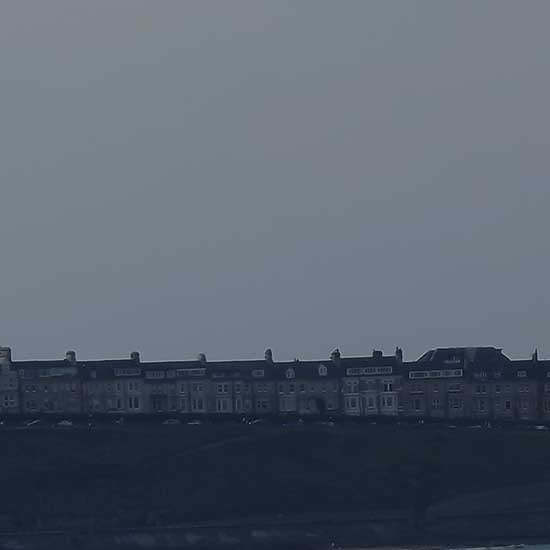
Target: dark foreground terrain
(148, 476)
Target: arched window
(322, 370)
(290, 373)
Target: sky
(221, 177)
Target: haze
(222, 177)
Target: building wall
(9, 384)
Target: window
(389, 400)
(416, 404)
(291, 388)
(455, 403)
(497, 388)
(322, 370)
(281, 388)
(388, 386)
(507, 404)
(482, 405)
(302, 388)
(197, 404)
(370, 402)
(222, 405)
(436, 388)
(436, 404)
(290, 373)
(522, 374)
(133, 403)
(497, 403)
(524, 403)
(351, 402)
(222, 388)
(547, 405)
(237, 387)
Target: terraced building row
(478, 382)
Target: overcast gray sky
(220, 177)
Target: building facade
(9, 384)
(479, 383)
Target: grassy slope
(167, 474)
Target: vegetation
(141, 475)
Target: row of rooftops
(490, 362)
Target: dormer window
(323, 370)
(290, 373)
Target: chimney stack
(135, 356)
(70, 356)
(202, 358)
(399, 354)
(377, 354)
(335, 356)
(268, 355)
(5, 355)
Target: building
(479, 383)
(9, 384)
(112, 385)
(370, 385)
(50, 386)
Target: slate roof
(487, 358)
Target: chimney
(535, 356)
(335, 356)
(377, 354)
(5, 355)
(268, 355)
(70, 356)
(201, 358)
(134, 356)
(399, 354)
